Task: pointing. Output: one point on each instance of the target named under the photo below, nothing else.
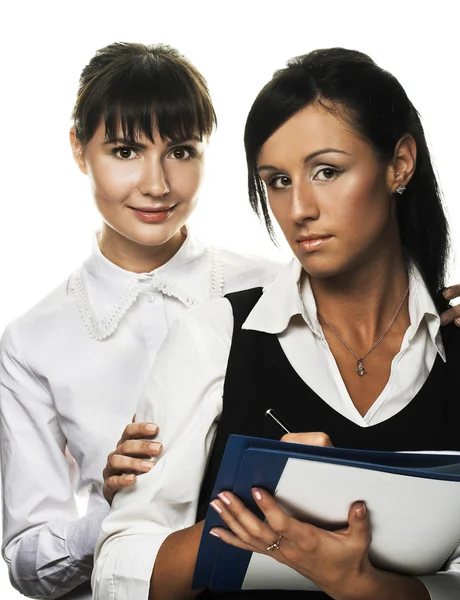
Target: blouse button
(151, 298)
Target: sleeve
(445, 585)
(184, 396)
(48, 548)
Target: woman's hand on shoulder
(311, 438)
(453, 313)
(132, 456)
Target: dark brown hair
(373, 101)
(142, 89)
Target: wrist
(383, 585)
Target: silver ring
(275, 546)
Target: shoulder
(242, 270)
(41, 320)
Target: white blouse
(184, 395)
(72, 370)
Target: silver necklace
(359, 359)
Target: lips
(313, 242)
(151, 209)
(153, 214)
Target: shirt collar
(289, 295)
(105, 291)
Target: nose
(303, 203)
(153, 181)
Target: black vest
(259, 376)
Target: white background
(46, 212)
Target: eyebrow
(306, 159)
(128, 142)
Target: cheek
(185, 179)
(358, 203)
(110, 182)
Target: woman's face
(146, 191)
(330, 194)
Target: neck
(361, 302)
(138, 258)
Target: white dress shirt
(184, 395)
(72, 370)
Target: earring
(400, 189)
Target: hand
(452, 314)
(317, 438)
(129, 457)
(337, 561)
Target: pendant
(360, 369)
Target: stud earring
(400, 189)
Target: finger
(119, 464)
(453, 291)
(311, 438)
(242, 522)
(359, 526)
(138, 430)
(230, 538)
(450, 315)
(139, 448)
(116, 482)
(278, 520)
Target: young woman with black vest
(346, 342)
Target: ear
(403, 163)
(77, 150)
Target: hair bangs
(173, 109)
(142, 91)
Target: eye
(124, 152)
(326, 174)
(279, 182)
(183, 152)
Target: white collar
(285, 297)
(105, 292)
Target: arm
(184, 395)
(49, 550)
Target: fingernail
(224, 498)
(146, 464)
(155, 446)
(151, 428)
(214, 533)
(257, 495)
(457, 322)
(128, 477)
(216, 507)
(361, 511)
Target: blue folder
(255, 462)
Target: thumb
(359, 523)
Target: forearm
(56, 558)
(174, 566)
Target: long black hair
(372, 100)
(142, 89)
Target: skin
(348, 197)
(357, 277)
(337, 561)
(146, 175)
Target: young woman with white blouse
(346, 342)
(73, 367)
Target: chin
(321, 266)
